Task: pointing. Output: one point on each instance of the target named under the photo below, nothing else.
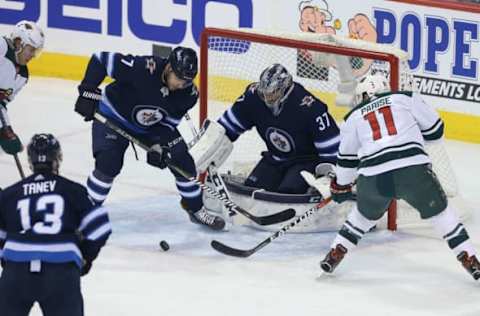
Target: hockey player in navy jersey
(50, 233)
(16, 51)
(148, 98)
(296, 127)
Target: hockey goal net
(328, 66)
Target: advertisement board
(443, 44)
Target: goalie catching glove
(158, 156)
(87, 101)
(341, 193)
(212, 146)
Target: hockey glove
(341, 193)
(87, 265)
(158, 156)
(5, 94)
(87, 101)
(9, 141)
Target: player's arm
(237, 119)
(9, 141)
(347, 163)
(115, 65)
(6, 82)
(428, 120)
(324, 130)
(94, 229)
(3, 47)
(347, 158)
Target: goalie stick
(260, 220)
(227, 250)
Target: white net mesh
(236, 60)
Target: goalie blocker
(212, 146)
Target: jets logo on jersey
(307, 101)
(280, 139)
(164, 91)
(145, 115)
(151, 65)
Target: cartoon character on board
(315, 17)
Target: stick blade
(276, 218)
(229, 251)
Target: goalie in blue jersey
(296, 127)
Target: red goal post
(325, 64)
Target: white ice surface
(409, 272)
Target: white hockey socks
(451, 229)
(353, 229)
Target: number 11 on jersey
(375, 126)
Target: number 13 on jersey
(50, 208)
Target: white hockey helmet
(371, 85)
(29, 33)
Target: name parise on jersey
(387, 133)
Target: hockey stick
(227, 250)
(19, 166)
(4, 122)
(261, 220)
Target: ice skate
(204, 218)
(333, 258)
(470, 264)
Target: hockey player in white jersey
(16, 51)
(383, 142)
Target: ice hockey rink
(409, 272)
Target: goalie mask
(370, 86)
(44, 153)
(274, 87)
(29, 33)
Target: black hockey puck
(164, 245)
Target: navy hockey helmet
(184, 62)
(274, 86)
(44, 153)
